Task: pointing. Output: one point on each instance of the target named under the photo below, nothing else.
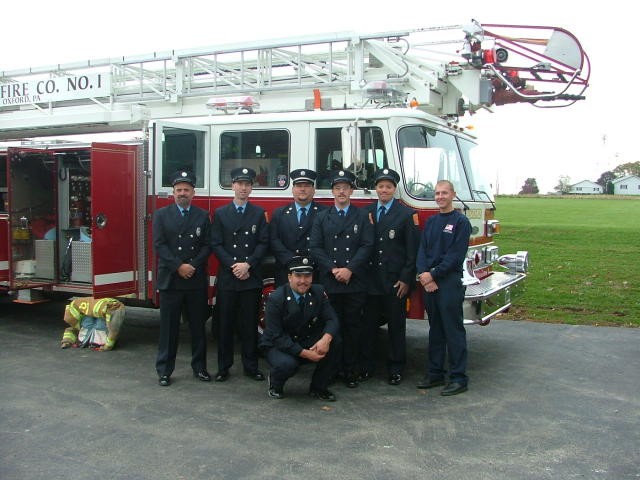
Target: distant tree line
(607, 178)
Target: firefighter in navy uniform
(341, 245)
(181, 236)
(301, 327)
(240, 241)
(290, 227)
(443, 247)
(391, 277)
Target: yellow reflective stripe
(110, 343)
(102, 306)
(97, 307)
(69, 336)
(74, 311)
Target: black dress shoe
(427, 382)
(202, 375)
(257, 375)
(322, 394)
(222, 376)
(275, 392)
(395, 379)
(453, 388)
(351, 381)
(164, 381)
(364, 376)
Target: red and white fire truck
(75, 213)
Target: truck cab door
(32, 213)
(116, 218)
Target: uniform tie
(240, 210)
(301, 302)
(341, 213)
(381, 211)
(303, 215)
(184, 212)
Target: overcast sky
(580, 141)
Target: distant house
(629, 185)
(586, 187)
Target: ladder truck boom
(483, 66)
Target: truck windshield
(428, 155)
(477, 161)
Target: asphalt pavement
(545, 401)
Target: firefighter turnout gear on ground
(93, 322)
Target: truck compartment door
(115, 216)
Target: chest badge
(392, 234)
(254, 229)
(198, 231)
(355, 229)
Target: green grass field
(585, 257)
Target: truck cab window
(266, 151)
(182, 150)
(477, 161)
(429, 155)
(329, 156)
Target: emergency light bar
(225, 104)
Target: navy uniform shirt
(287, 237)
(238, 238)
(289, 329)
(342, 242)
(179, 239)
(395, 248)
(443, 244)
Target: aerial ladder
(482, 66)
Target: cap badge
(341, 173)
(245, 171)
(183, 174)
(305, 261)
(302, 172)
(385, 171)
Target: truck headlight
(516, 263)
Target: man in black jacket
(341, 244)
(301, 327)
(240, 240)
(392, 275)
(181, 234)
(290, 227)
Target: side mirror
(351, 147)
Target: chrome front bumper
(492, 296)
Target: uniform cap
(183, 176)
(300, 264)
(387, 174)
(343, 176)
(243, 173)
(303, 175)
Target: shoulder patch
(370, 218)
(266, 216)
(416, 221)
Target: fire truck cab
(75, 215)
